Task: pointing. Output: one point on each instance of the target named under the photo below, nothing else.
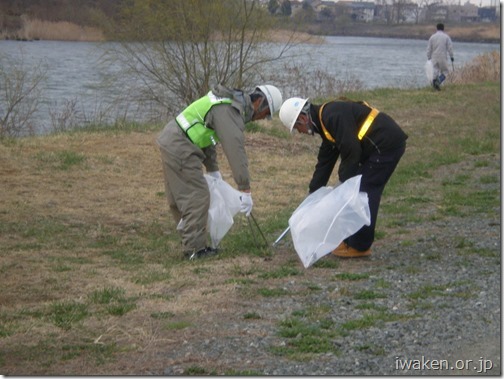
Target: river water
(386, 62)
(76, 80)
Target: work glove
(215, 174)
(452, 59)
(246, 203)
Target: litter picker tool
(258, 228)
(284, 233)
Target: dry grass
(83, 212)
(475, 32)
(484, 68)
(115, 191)
(34, 29)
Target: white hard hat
(273, 96)
(290, 111)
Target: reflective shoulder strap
(367, 123)
(362, 130)
(369, 119)
(326, 133)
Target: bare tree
(183, 47)
(19, 95)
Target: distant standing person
(438, 49)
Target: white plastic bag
(429, 71)
(224, 204)
(326, 217)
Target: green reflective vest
(192, 120)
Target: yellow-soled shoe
(345, 251)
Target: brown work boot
(342, 247)
(345, 251)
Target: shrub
(483, 68)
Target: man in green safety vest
(188, 142)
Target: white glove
(215, 174)
(246, 203)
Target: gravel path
(444, 291)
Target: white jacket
(439, 47)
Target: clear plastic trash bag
(429, 71)
(326, 217)
(224, 205)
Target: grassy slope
(90, 262)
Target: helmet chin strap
(311, 126)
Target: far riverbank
(66, 31)
(481, 33)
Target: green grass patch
(280, 272)
(372, 319)
(463, 203)
(45, 231)
(61, 160)
(437, 290)
(195, 370)
(114, 299)
(351, 276)
(371, 306)
(241, 281)
(489, 179)
(237, 373)
(178, 325)
(252, 316)
(100, 353)
(326, 264)
(305, 339)
(107, 295)
(368, 295)
(64, 314)
(51, 352)
(162, 315)
(272, 292)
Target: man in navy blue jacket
(370, 143)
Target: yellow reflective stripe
(363, 129)
(326, 133)
(367, 123)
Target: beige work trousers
(188, 198)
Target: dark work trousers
(376, 172)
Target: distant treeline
(107, 19)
